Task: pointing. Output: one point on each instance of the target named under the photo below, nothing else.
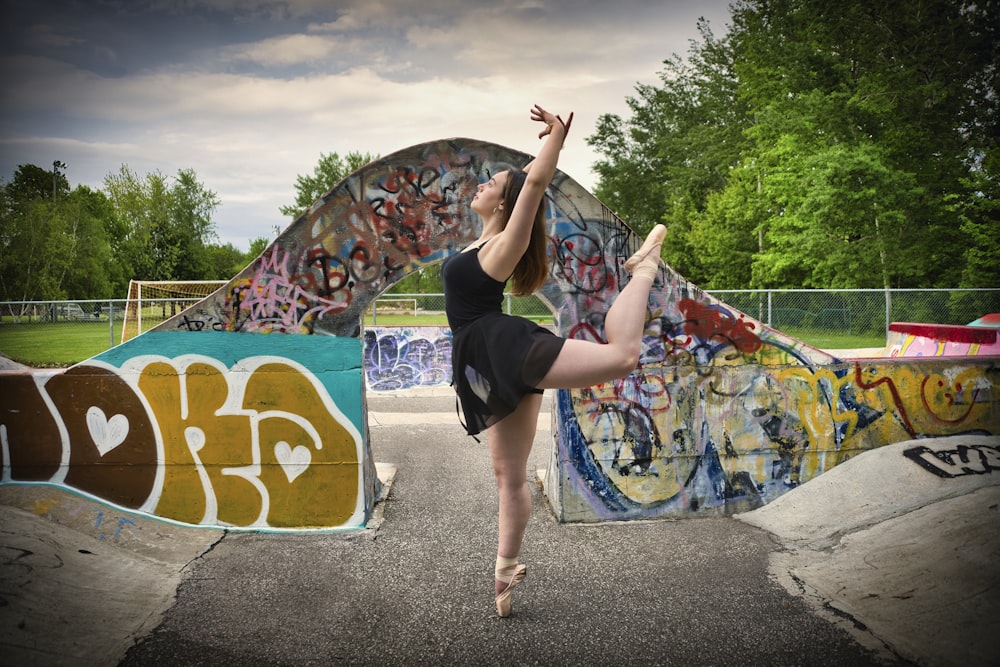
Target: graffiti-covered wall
(248, 408)
(680, 440)
(723, 413)
(241, 432)
(407, 357)
(908, 339)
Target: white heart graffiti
(106, 433)
(293, 461)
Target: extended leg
(585, 363)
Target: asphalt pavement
(825, 575)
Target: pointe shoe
(653, 242)
(504, 597)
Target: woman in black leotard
(502, 363)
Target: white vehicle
(70, 311)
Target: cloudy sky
(249, 93)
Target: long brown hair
(532, 269)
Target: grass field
(61, 344)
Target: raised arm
(539, 114)
(501, 256)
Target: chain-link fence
(428, 309)
(861, 311)
(856, 312)
(59, 333)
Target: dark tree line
(58, 243)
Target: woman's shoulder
(499, 257)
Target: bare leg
(584, 363)
(510, 442)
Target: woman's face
(489, 195)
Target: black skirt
(496, 361)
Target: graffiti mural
(257, 443)
(407, 357)
(386, 220)
(959, 462)
(247, 409)
(906, 339)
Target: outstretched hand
(550, 119)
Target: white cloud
(252, 112)
(285, 50)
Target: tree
(191, 209)
(680, 144)
(874, 92)
(224, 261)
(330, 171)
(161, 231)
(257, 246)
(846, 212)
(91, 270)
(819, 144)
(51, 240)
(130, 230)
(979, 216)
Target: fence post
(888, 310)
(111, 324)
(769, 305)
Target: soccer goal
(150, 302)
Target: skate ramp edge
(899, 546)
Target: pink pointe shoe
(652, 243)
(512, 576)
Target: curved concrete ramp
(83, 582)
(247, 410)
(904, 539)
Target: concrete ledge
(946, 332)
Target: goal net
(153, 301)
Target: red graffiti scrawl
(707, 322)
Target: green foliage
(159, 230)
(191, 209)
(58, 243)
(52, 242)
(85, 244)
(224, 261)
(425, 281)
(330, 171)
(679, 146)
(979, 216)
(90, 273)
(257, 246)
(820, 144)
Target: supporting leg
(510, 442)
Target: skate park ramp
(248, 409)
(904, 539)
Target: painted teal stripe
(334, 361)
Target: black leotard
(496, 358)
